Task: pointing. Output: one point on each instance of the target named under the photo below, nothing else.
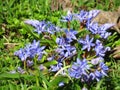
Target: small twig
(70, 56)
(14, 44)
(61, 70)
(6, 39)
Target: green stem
(68, 25)
(24, 65)
(61, 70)
(37, 81)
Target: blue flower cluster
(43, 27)
(65, 51)
(88, 71)
(79, 68)
(98, 47)
(95, 68)
(70, 36)
(85, 16)
(30, 51)
(100, 30)
(88, 68)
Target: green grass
(13, 35)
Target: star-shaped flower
(87, 43)
(67, 18)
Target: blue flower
(102, 30)
(61, 84)
(57, 67)
(97, 75)
(66, 50)
(32, 48)
(87, 43)
(82, 16)
(40, 51)
(93, 13)
(61, 41)
(39, 26)
(42, 67)
(84, 88)
(29, 63)
(70, 35)
(20, 70)
(103, 68)
(51, 28)
(106, 26)
(51, 58)
(34, 23)
(79, 69)
(22, 54)
(100, 49)
(96, 61)
(67, 18)
(92, 27)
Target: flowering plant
(64, 55)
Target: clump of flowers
(79, 57)
(43, 27)
(30, 51)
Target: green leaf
(1, 45)
(53, 62)
(12, 87)
(57, 80)
(30, 31)
(9, 76)
(54, 37)
(27, 77)
(36, 88)
(99, 84)
(6, 87)
(22, 31)
(48, 42)
(15, 76)
(44, 79)
(43, 59)
(16, 21)
(77, 87)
